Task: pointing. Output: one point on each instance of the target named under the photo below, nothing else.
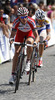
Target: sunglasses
(22, 17)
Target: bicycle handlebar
(43, 41)
(23, 44)
(19, 43)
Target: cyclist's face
(23, 19)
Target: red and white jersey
(30, 25)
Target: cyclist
(43, 27)
(23, 26)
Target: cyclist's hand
(35, 44)
(45, 42)
(11, 40)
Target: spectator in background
(14, 2)
(53, 13)
(41, 5)
(7, 3)
(21, 1)
(20, 5)
(35, 6)
(12, 14)
(53, 16)
(32, 8)
(8, 12)
(2, 23)
(33, 1)
(26, 3)
(49, 11)
(15, 7)
(0, 3)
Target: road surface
(42, 89)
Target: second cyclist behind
(43, 27)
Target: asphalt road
(42, 89)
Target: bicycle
(20, 68)
(33, 67)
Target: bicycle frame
(33, 68)
(19, 67)
(19, 70)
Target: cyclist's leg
(18, 38)
(15, 58)
(14, 65)
(29, 40)
(41, 46)
(29, 49)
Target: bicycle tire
(31, 65)
(33, 70)
(19, 72)
(17, 79)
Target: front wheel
(32, 67)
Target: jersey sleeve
(48, 24)
(14, 27)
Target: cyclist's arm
(48, 29)
(14, 30)
(36, 35)
(48, 34)
(13, 33)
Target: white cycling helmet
(22, 11)
(40, 14)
